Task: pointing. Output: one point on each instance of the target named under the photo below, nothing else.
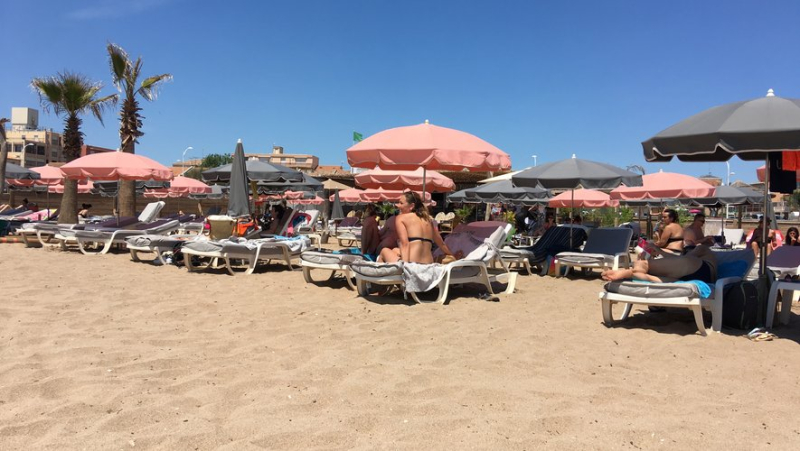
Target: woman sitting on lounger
(699, 264)
(416, 233)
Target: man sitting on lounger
(699, 264)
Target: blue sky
(533, 78)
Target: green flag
(357, 137)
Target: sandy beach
(100, 353)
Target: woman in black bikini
(699, 264)
(416, 233)
(670, 237)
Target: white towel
(419, 277)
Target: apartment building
(30, 146)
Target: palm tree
(71, 95)
(125, 75)
(3, 153)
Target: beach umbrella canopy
(215, 192)
(504, 191)
(666, 185)
(730, 195)
(582, 198)
(385, 195)
(238, 197)
(110, 189)
(659, 202)
(49, 175)
(333, 184)
(428, 146)
(501, 177)
(575, 173)
(187, 185)
(305, 183)
(350, 195)
(84, 187)
(116, 166)
(17, 172)
(432, 181)
(336, 210)
(748, 129)
(461, 197)
(256, 170)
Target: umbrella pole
(762, 264)
(571, 228)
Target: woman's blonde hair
(419, 208)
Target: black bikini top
(419, 238)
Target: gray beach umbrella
(17, 172)
(460, 197)
(238, 198)
(504, 191)
(752, 130)
(336, 211)
(306, 183)
(730, 195)
(256, 170)
(574, 173)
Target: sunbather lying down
(699, 264)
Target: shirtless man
(693, 234)
(699, 264)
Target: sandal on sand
(760, 334)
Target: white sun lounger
(108, 238)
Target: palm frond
(118, 62)
(50, 93)
(149, 88)
(97, 106)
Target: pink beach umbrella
(429, 147)
(116, 166)
(351, 195)
(84, 187)
(665, 185)
(49, 175)
(432, 181)
(582, 198)
(180, 186)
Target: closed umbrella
(337, 214)
(238, 197)
(751, 130)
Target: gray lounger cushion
(653, 290)
(370, 269)
(327, 258)
(153, 241)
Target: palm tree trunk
(3, 153)
(127, 188)
(68, 212)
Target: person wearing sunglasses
(693, 234)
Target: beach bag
(740, 306)
(744, 304)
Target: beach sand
(100, 353)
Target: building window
(300, 160)
(39, 150)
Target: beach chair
(65, 234)
(251, 252)
(220, 227)
(732, 267)
(605, 248)
(326, 260)
(733, 237)
(157, 244)
(475, 267)
(553, 241)
(105, 239)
